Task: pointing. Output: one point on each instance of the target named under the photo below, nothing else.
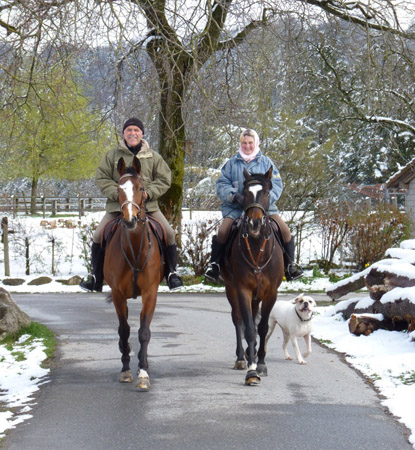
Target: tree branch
(343, 9)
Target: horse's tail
(109, 298)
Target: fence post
(12, 206)
(43, 199)
(54, 207)
(14, 203)
(5, 228)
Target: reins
(136, 258)
(254, 263)
(134, 264)
(129, 202)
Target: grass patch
(190, 280)
(18, 356)
(325, 341)
(35, 331)
(407, 378)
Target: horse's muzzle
(254, 227)
(130, 224)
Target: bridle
(130, 202)
(254, 263)
(134, 264)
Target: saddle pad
(236, 224)
(109, 230)
(158, 230)
(155, 226)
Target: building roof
(402, 178)
(374, 191)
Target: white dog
(294, 318)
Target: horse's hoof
(240, 365)
(143, 384)
(126, 377)
(252, 378)
(262, 370)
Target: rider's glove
(239, 199)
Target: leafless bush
(375, 229)
(196, 241)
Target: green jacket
(155, 172)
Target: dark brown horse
(133, 266)
(252, 271)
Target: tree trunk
(33, 193)
(27, 255)
(5, 228)
(171, 147)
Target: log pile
(391, 287)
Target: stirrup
(213, 272)
(90, 285)
(174, 282)
(293, 272)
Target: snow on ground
(387, 358)
(21, 375)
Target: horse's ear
(121, 166)
(269, 173)
(136, 164)
(246, 174)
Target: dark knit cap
(133, 121)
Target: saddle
(155, 226)
(236, 225)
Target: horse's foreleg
(124, 334)
(263, 328)
(240, 363)
(252, 376)
(144, 336)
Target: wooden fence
(51, 206)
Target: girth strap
(136, 258)
(254, 263)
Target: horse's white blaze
(128, 189)
(252, 367)
(142, 373)
(255, 189)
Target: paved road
(197, 401)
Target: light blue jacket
(232, 180)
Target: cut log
(381, 279)
(343, 287)
(366, 324)
(397, 308)
(408, 244)
(400, 253)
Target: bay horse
(133, 265)
(252, 271)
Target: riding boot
(292, 270)
(96, 278)
(213, 271)
(173, 280)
